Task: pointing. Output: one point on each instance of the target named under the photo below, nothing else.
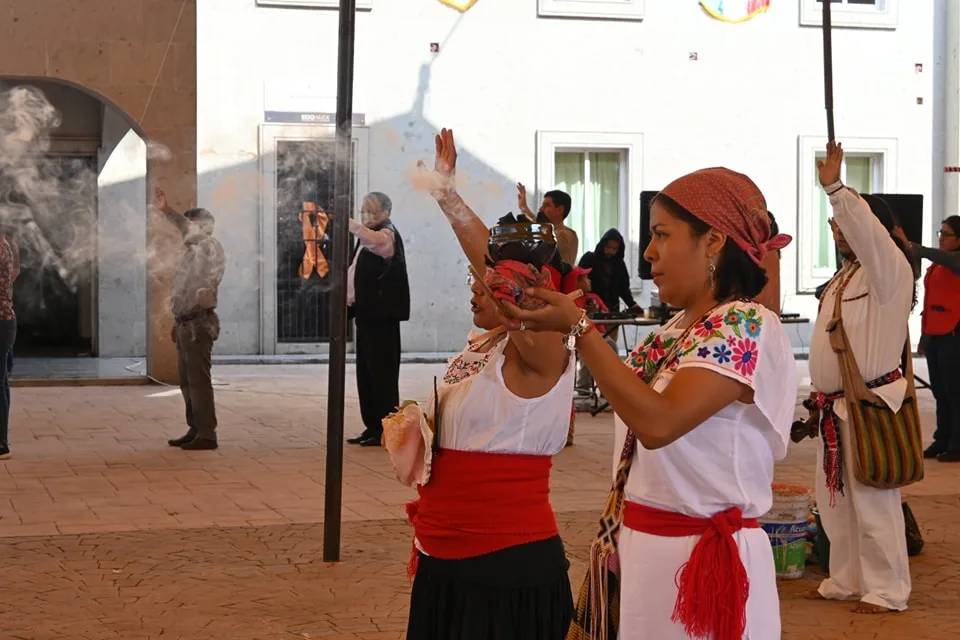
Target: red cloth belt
(477, 503)
(713, 584)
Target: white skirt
(648, 571)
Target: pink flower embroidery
(708, 326)
(745, 356)
(656, 351)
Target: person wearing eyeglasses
(941, 340)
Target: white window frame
(630, 145)
(853, 16)
(362, 5)
(604, 9)
(808, 147)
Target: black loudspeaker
(909, 209)
(644, 267)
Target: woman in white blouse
(704, 407)
(488, 560)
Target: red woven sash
(477, 503)
(713, 583)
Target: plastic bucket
(786, 526)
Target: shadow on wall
(265, 303)
(266, 306)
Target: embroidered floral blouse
(9, 270)
(728, 459)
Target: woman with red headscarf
(704, 407)
(488, 562)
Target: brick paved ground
(107, 533)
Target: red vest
(941, 301)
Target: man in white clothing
(868, 553)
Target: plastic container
(786, 526)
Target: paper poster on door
(734, 11)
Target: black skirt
(519, 593)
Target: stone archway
(138, 56)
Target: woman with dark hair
(941, 338)
(609, 277)
(488, 562)
(704, 407)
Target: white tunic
(866, 522)
(876, 305)
(725, 462)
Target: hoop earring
(712, 270)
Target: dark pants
(8, 334)
(943, 360)
(195, 339)
(378, 371)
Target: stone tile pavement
(108, 533)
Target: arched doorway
(73, 179)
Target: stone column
(949, 11)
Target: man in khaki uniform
(193, 302)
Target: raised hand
(442, 181)
(160, 199)
(522, 199)
(829, 169)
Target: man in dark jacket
(378, 294)
(609, 277)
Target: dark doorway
(55, 295)
(304, 175)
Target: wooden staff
(828, 68)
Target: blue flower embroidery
(721, 354)
(703, 352)
(753, 327)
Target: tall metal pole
(343, 208)
(828, 68)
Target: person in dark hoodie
(609, 278)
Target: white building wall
(122, 237)
(503, 74)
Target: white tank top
(479, 413)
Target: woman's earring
(712, 270)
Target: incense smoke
(48, 204)
(43, 200)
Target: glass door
(298, 166)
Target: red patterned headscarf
(509, 280)
(730, 203)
